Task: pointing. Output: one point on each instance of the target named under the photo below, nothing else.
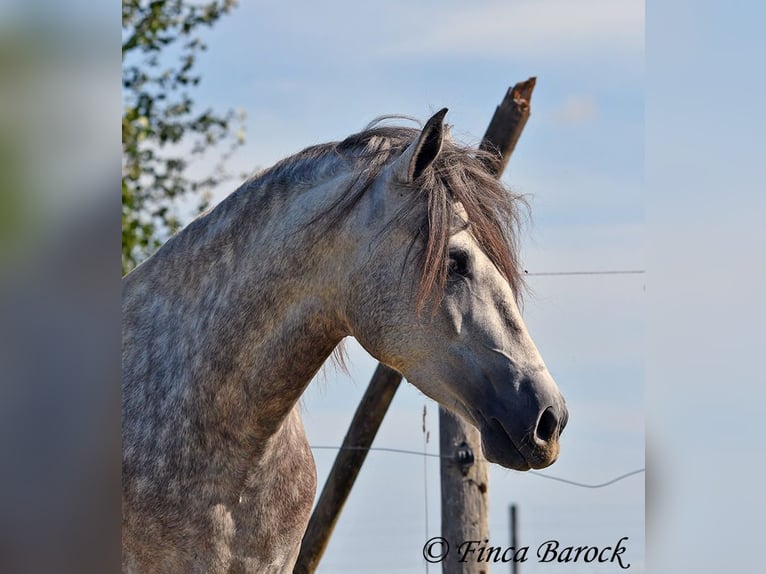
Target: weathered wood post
(464, 484)
(501, 137)
(507, 124)
(464, 476)
(514, 537)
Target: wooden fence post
(507, 124)
(464, 482)
(514, 537)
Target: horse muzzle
(523, 438)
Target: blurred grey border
(59, 286)
(706, 206)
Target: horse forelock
(458, 175)
(493, 212)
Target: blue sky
(312, 72)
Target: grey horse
(398, 237)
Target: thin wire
(611, 272)
(379, 448)
(532, 472)
(602, 485)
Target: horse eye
(458, 263)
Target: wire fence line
(570, 273)
(532, 472)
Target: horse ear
(422, 152)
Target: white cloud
(534, 28)
(576, 111)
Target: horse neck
(241, 309)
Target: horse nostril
(547, 425)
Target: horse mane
(458, 175)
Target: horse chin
(499, 447)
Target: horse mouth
(499, 447)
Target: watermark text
(438, 549)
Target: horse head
(434, 294)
